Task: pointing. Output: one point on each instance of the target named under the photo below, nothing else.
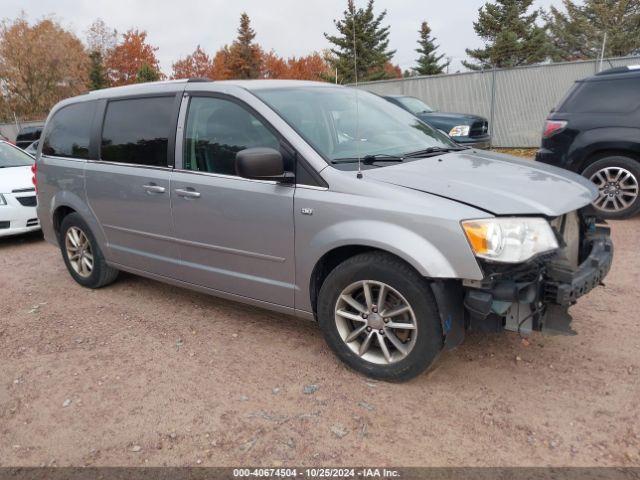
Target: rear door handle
(187, 193)
(153, 188)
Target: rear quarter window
(69, 130)
(604, 96)
(137, 131)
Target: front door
(235, 235)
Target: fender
(402, 242)
(597, 140)
(406, 244)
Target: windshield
(11, 156)
(415, 105)
(338, 127)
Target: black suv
(595, 131)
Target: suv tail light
(34, 170)
(551, 127)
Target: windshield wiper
(370, 159)
(433, 150)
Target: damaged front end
(532, 295)
(536, 295)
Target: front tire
(82, 255)
(380, 317)
(617, 178)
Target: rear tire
(407, 352)
(617, 178)
(82, 255)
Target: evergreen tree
(147, 73)
(578, 32)
(512, 36)
(245, 56)
(97, 73)
(428, 63)
(371, 45)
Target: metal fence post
(493, 105)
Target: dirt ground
(141, 373)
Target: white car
(17, 192)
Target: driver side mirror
(261, 164)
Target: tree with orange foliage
(274, 66)
(129, 57)
(245, 56)
(40, 64)
(310, 67)
(392, 71)
(196, 65)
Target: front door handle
(153, 188)
(187, 193)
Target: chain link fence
(516, 101)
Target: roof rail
(626, 69)
(199, 80)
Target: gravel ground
(141, 373)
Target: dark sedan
(465, 129)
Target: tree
(196, 65)
(245, 56)
(100, 41)
(371, 44)
(40, 64)
(512, 36)
(578, 32)
(274, 66)
(97, 72)
(220, 68)
(147, 73)
(129, 56)
(428, 63)
(309, 67)
(101, 38)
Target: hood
(499, 184)
(461, 118)
(15, 178)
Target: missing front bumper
(537, 295)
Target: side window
(69, 130)
(216, 130)
(604, 96)
(137, 131)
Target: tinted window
(216, 130)
(69, 130)
(137, 131)
(609, 96)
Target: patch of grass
(528, 153)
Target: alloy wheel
(79, 252)
(376, 322)
(618, 189)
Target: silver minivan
(319, 201)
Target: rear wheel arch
(599, 154)
(59, 215)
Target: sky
(289, 27)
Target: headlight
(2, 200)
(460, 131)
(509, 240)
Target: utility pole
(604, 43)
